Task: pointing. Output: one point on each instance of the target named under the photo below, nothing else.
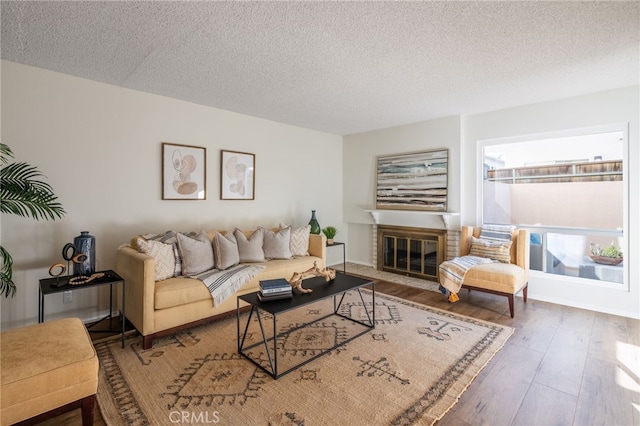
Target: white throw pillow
(170, 237)
(165, 261)
(250, 249)
(299, 244)
(276, 244)
(197, 254)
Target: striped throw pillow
(495, 250)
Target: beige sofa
(158, 308)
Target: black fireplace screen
(411, 253)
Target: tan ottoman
(47, 369)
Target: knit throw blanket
(452, 271)
(223, 284)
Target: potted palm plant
(22, 193)
(329, 232)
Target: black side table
(60, 284)
(344, 254)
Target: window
(568, 189)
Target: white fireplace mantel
(420, 219)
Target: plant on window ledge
(22, 193)
(610, 255)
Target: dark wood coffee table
(337, 288)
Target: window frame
(582, 131)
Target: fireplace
(410, 251)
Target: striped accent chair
(504, 279)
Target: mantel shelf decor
(413, 181)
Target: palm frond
(23, 194)
(7, 286)
(5, 153)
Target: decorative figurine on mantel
(314, 271)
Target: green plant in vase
(329, 232)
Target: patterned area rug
(410, 369)
(368, 271)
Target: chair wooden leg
(524, 292)
(510, 297)
(88, 405)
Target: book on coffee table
(278, 286)
(277, 296)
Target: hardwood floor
(562, 366)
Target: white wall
(461, 135)
(360, 153)
(99, 146)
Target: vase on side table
(315, 226)
(85, 244)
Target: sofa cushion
(250, 249)
(503, 277)
(163, 256)
(196, 253)
(299, 244)
(180, 291)
(284, 268)
(276, 244)
(225, 250)
(496, 250)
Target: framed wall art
(184, 172)
(413, 181)
(238, 178)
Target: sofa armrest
(318, 247)
(138, 271)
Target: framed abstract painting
(184, 172)
(237, 175)
(413, 181)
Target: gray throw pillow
(276, 244)
(225, 249)
(250, 249)
(197, 254)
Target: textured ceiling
(339, 67)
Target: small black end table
(344, 254)
(61, 284)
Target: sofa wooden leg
(510, 297)
(524, 292)
(88, 404)
(147, 342)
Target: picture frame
(237, 175)
(413, 181)
(184, 172)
